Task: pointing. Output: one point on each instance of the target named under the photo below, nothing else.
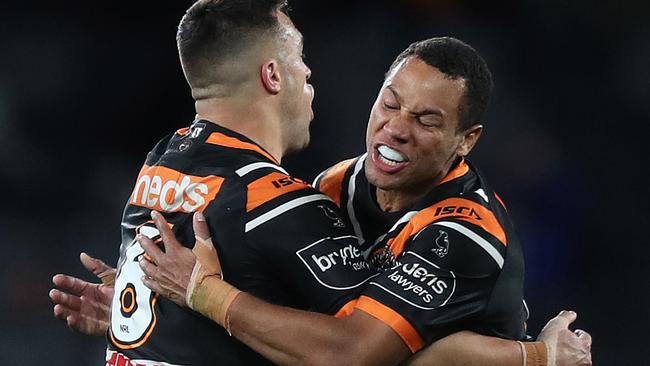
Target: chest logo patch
(332, 215)
(442, 244)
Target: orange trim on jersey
(129, 291)
(457, 208)
(347, 309)
(458, 171)
(145, 338)
(501, 201)
(167, 190)
(393, 319)
(271, 186)
(220, 139)
(183, 131)
(332, 182)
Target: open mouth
(388, 159)
(390, 156)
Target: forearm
(292, 337)
(471, 349)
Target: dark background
(87, 88)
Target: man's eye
(390, 106)
(428, 122)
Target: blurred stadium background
(86, 89)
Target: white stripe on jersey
(284, 208)
(318, 177)
(407, 216)
(254, 166)
(476, 238)
(352, 186)
(526, 307)
(481, 193)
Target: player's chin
(382, 180)
(299, 144)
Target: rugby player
(242, 61)
(428, 219)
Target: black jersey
(277, 237)
(452, 262)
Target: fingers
(584, 336)
(70, 284)
(61, 312)
(94, 265)
(71, 317)
(149, 269)
(100, 269)
(66, 300)
(166, 233)
(200, 226)
(104, 294)
(152, 284)
(565, 318)
(150, 248)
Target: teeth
(386, 161)
(386, 153)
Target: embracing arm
(293, 337)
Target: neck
(405, 198)
(255, 120)
(393, 200)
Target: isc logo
(460, 210)
(167, 190)
(283, 182)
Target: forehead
(423, 86)
(290, 33)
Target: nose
(397, 128)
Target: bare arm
(469, 349)
(562, 346)
(293, 337)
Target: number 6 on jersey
(133, 316)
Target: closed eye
(390, 106)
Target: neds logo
(168, 190)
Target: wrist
(535, 354)
(212, 297)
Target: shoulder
(332, 180)
(275, 197)
(462, 233)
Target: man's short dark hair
(213, 31)
(457, 60)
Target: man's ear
(469, 139)
(270, 75)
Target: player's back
(257, 215)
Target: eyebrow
(435, 111)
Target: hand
(167, 273)
(85, 306)
(566, 348)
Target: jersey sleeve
(331, 180)
(314, 252)
(441, 284)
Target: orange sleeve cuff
(391, 318)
